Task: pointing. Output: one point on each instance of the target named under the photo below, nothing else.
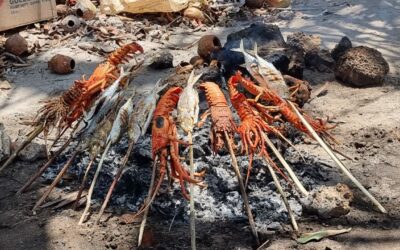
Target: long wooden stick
(44, 167)
(148, 199)
(83, 183)
(192, 209)
(242, 189)
(91, 189)
(285, 165)
(338, 162)
(116, 179)
(32, 135)
(56, 180)
(280, 190)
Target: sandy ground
(370, 116)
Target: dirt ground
(368, 127)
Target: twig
(338, 162)
(146, 211)
(285, 201)
(83, 183)
(14, 57)
(285, 165)
(242, 189)
(192, 209)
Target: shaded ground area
(368, 128)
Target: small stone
(361, 67)
(33, 151)
(341, 48)
(329, 202)
(162, 60)
(286, 15)
(5, 143)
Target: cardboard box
(14, 13)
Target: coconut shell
(207, 45)
(16, 45)
(61, 64)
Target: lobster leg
(203, 118)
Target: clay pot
(16, 45)
(207, 45)
(71, 23)
(61, 64)
(278, 3)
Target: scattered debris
(307, 237)
(362, 67)
(16, 45)
(329, 202)
(5, 85)
(61, 64)
(85, 9)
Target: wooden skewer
(146, 211)
(338, 162)
(192, 209)
(286, 165)
(242, 189)
(285, 201)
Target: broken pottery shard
(341, 48)
(329, 202)
(361, 67)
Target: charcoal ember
(362, 67)
(5, 143)
(319, 60)
(163, 60)
(227, 182)
(329, 202)
(210, 74)
(265, 35)
(33, 151)
(341, 48)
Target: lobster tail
(124, 53)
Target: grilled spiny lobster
(66, 109)
(221, 116)
(165, 142)
(251, 128)
(283, 107)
